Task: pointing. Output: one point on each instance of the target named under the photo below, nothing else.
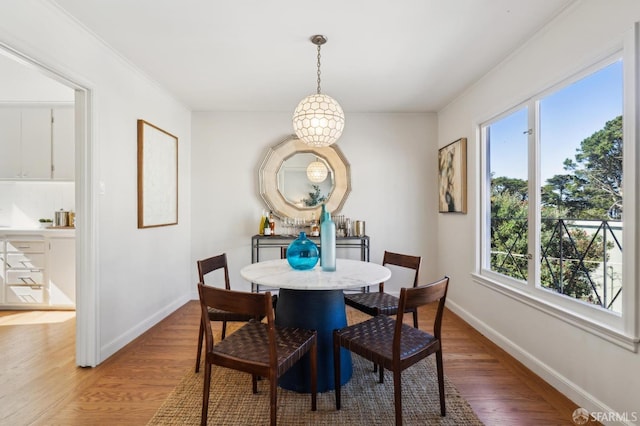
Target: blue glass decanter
(302, 253)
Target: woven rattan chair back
(207, 266)
(394, 345)
(377, 303)
(259, 348)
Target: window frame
(620, 329)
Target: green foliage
(314, 197)
(513, 186)
(594, 186)
(569, 255)
(590, 190)
(509, 234)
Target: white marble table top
(348, 274)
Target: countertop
(46, 232)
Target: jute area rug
(364, 400)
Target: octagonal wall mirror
(290, 191)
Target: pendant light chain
(318, 69)
(318, 120)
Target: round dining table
(314, 299)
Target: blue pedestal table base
(323, 311)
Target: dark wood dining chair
(378, 302)
(205, 267)
(394, 345)
(259, 348)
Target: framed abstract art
(452, 180)
(157, 176)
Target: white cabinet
(10, 135)
(63, 143)
(25, 143)
(37, 271)
(35, 157)
(61, 271)
(37, 142)
(24, 271)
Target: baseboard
(125, 338)
(571, 390)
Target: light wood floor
(39, 383)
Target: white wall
(393, 167)
(142, 274)
(594, 373)
(23, 203)
(21, 83)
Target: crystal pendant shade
(318, 120)
(317, 172)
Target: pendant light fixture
(317, 171)
(318, 119)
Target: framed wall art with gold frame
(452, 178)
(157, 176)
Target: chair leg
(397, 395)
(336, 369)
(205, 394)
(200, 338)
(273, 394)
(224, 329)
(381, 378)
(440, 368)
(254, 383)
(415, 318)
(314, 376)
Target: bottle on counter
(263, 217)
(266, 227)
(272, 223)
(315, 228)
(328, 243)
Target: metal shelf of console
(262, 242)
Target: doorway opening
(33, 86)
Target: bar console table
(259, 243)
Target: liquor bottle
(315, 228)
(272, 223)
(266, 227)
(263, 217)
(328, 243)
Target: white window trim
(624, 340)
(621, 330)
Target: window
(552, 199)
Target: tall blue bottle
(328, 243)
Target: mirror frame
(268, 178)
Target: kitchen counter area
(66, 231)
(37, 183)
(38, 268)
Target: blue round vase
(302, 253)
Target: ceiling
(256, 55)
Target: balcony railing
(578, 258)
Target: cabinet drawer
(25, 260)
(25, 246)
(21, 294)
(30, 277)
